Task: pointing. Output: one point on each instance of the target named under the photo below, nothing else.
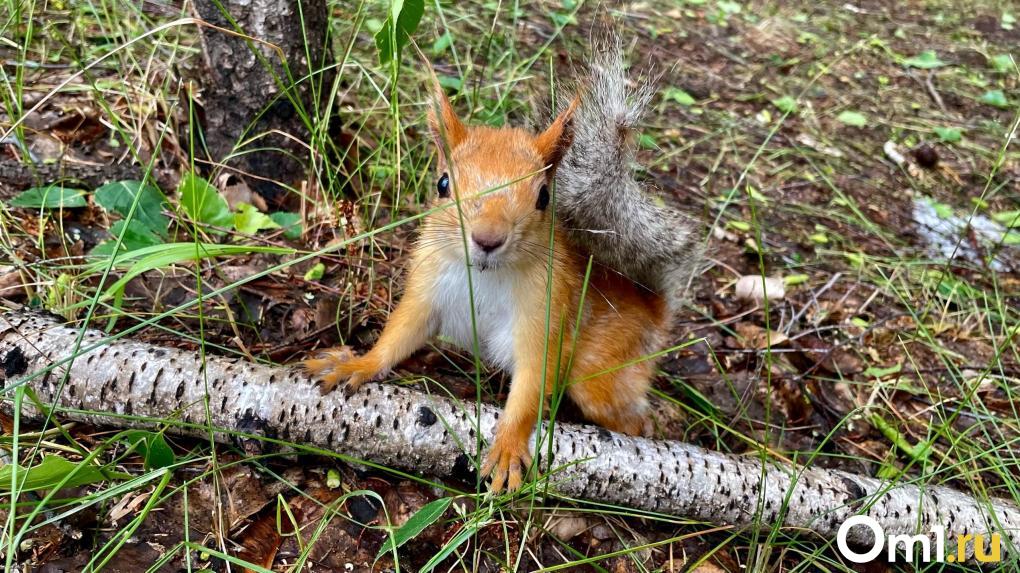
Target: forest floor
(862, 153)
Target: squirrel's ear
(446, 127)
(554, 141)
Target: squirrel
(497, 237)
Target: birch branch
(407, 429)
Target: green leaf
(160, 256)
(407, 15)
(562, 19)
(203, 203)
(943, 210)
(422, 518)
(728, 6)
(793, 280)
(926, 60)
(995, 97)
(739, 225)
(949, 134)
(950, 287)
(249, 220)
(152, 447)
(315, 273)
(1002, 63)
(452, 83)
(786, 104)
(756, 195)
(134, 235)
(120, 195)
(679, 96)
(1008, 218)
(50, 197)
(290, 222)
(854, 118)
(51, 470)
(878, 372)
(442, 43)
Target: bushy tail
(601, 204)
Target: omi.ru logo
(926, 548)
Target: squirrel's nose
(488, 241)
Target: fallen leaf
(926, 60)
(853, 118)
(995, 98)
(949, 134)
(12, 286)
(754, 337)
(126, 506)
(261, 540)
(236, 191)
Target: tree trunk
(245, 78)
(404, 428)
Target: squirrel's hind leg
(616, 400)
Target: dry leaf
(754, 337)
(236, 191)
(261, 541)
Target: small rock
(602, 532)
(363, 509)
(568, 527)
(926, 156)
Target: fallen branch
(18, 175)
(403, 428)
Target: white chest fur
(494, 309)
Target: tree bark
(245, 78)
(404, 428)
(16, 175)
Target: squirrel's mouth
(486, 262)
(485, 265)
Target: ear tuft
(555, 140)
(447, 129)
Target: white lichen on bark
(404, 428)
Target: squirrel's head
(502, 179)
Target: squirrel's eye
(444, 185)
(543, 198)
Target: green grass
(924, 389)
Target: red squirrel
(529, 315)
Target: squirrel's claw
(338, 367)
(507, 463)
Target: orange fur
(496, 176)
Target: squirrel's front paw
(339, 365)
(507, 462)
